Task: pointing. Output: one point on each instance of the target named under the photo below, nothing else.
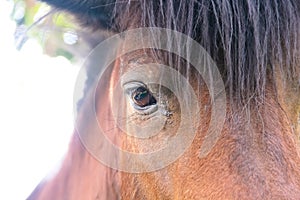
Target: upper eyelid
(131, 85)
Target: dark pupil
(142, 97)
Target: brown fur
(257, 155)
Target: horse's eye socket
(142, 97)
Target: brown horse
(255, 45)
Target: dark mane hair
(249, 39)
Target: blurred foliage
(57, 32)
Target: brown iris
(142, 97)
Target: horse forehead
(131, 60)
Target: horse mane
(250, 40)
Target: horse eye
(142, 97)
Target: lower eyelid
(146, 107)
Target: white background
(36, 112)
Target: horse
(254, 50)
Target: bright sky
(36, 112)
